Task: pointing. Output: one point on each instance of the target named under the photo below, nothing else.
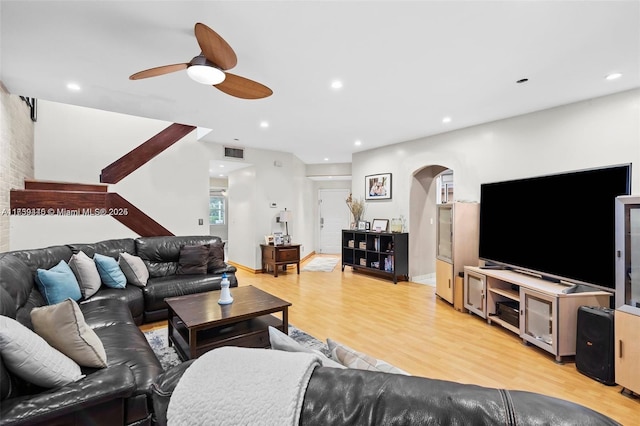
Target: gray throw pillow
(30, 357)
(84, 268)
(282, 342)
(353, 359)
(134, 269)
(63, 327)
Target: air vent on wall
(233, 152)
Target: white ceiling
(405, 64)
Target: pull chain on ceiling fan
(210, 66)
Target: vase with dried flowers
(356, 207)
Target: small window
(217, 203)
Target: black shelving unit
(384, 253)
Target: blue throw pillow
(110, 272)
(58, 283)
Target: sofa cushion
(123, 341)
(160, 288)
(110, 273)
(193, 260)
(86, 272)
(111, 248)
(16, 283)
(58, 283)
(130, 296)
(63, 327)
(161, 254)
(43, 258)
(30, 357)
(134, 269)
(353, 359)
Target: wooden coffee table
(197, 323)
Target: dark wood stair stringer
(85, 203)
(135, 219)
(140, 155)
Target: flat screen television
(561, 226)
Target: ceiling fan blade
(154, 72)
(215, 48)
(244, 88)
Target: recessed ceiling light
(336, 84)
(221, 175)
(446, 120)
(221, 165)
(264, 124)
(358, 143)
(613, 76)
(326, 159)
(73, 86)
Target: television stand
(547, 316)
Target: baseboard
(244, 268)
(307, 257)
(259, 271)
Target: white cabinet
(538, 320)
(456, 244)
(547, 315)
(474, 291)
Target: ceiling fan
(210, 66)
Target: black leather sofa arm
(228, 268)
(101, 387)
(344, 397)
(162, 389)
(356, 397)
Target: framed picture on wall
(378, 187)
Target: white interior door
(334, 217)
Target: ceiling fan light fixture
(205, 74)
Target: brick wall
(16, 154)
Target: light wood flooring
(408, 326)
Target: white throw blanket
(242, 386)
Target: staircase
(41, 197)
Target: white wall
(74, 144)
(16, 155)
(594, 133)
(273, 177)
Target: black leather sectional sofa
(119, 393)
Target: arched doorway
(424, 196)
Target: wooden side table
(276, 256)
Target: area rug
(321, 264)
(168, 357)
